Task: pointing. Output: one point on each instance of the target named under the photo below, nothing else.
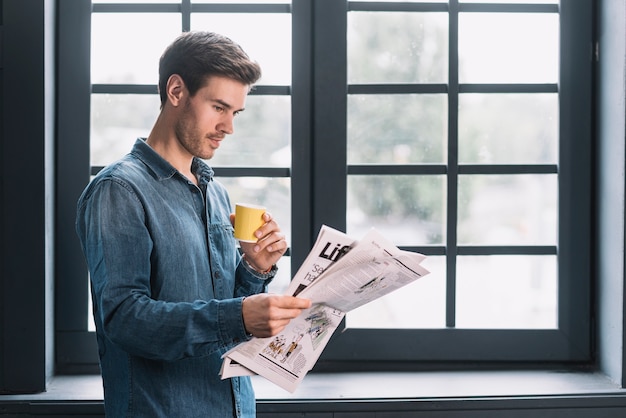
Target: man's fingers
(292, 302)
(266, 314)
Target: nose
(226, 125)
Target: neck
(164, 142)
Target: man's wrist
(255, 268)
(258, 272)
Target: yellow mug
(248, 218)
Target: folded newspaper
(339, 275)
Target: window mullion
(185, 9)
(453, 163)
(329, 110)
(303, 235)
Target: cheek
(207, 119)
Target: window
(460, 130)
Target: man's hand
(265, 315)
(269, 248)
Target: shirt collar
(164, 170)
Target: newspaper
(339, 275)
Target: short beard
(184, 133)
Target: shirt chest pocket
(223, 246)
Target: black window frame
(319, 68)
(571, 341)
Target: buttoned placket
(202, 207)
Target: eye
(236, 113)
(218, 109)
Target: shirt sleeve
(111, 224)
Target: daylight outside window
(452, 142)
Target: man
(171, 292)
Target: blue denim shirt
(167, 283)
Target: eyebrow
(228, 106)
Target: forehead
(225, 89)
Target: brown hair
(197, 55)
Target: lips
(215, 141)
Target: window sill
(440, 384)
(381, 385)
(392, 391)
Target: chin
(207, 155)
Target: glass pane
(421, 304)
(273, 193)
(241, 1)
(510, 1)
(414, 128)
(266, 38)
(117, 120)
(409, 1)
(507, 292)
(386, 47)
(408, 210)
(126, 47)
(135, 1)
(508, 209)
(91, 324)
(508, 128)
(500, 48)
(281, 281)
(262, 135)
(261, 138)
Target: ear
(175, 89)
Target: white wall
(611, 186)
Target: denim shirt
(167, 283)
